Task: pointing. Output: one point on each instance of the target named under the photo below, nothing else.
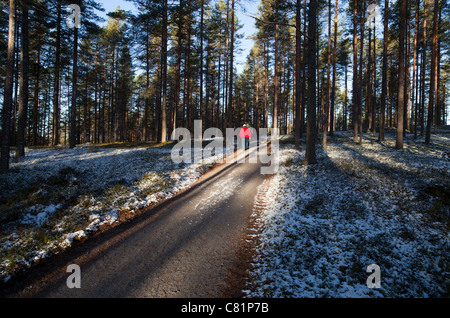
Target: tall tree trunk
(164, 76)
(355, 98)
(311, 132)
(97, 97)
(115, 93)
(298, 75)
(73, 111)
(401, 76)
(369, 110)
(17, 51)
(230, 87)
(275, 76)
(158, 96)
(344, 127)
(202, 4)
(23, 99)
(86, 112)
(102, 113)
(37, 74)
(7, 101)
(227, 65)
(374, 77)
(145, 130)
(333, 88)
(56, 108)
(178, 67)
(438, 74)
(415, 84)
(433, 79)
(266, 83)
(423, 68)
(407, 119)
(328, 86)
(303, 76)
(218, 122)
(188, 90)
(361, 79)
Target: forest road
(191, 247)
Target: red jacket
(245, 133)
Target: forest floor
(187, 247)
(55, 196)
(315, 229)
(321, 226)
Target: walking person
(245, 135)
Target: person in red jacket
(245, 135)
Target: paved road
(186, 248)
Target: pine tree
(401, 77)
(311, 133)
(7, 101)
(56, 94)
(384, 75)
(433, 76)
(24, 88)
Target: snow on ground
(323, 225)
(55, 196)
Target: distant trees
(385, 73)
(313, 68)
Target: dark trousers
(245, 143)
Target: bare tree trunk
(266, 83)
(361, 79)
(178, 68)
(7, 101)
(36, 95)
(423, 70)
(298, 91)
(73, 119)
(415, 84)
(374, 94)
(303, 77)
(311, 132)
(438, 75)
(230, 87)
(23, 98)
(433, 79)
(16, 85)
(164, 76)
(355, 71)
(344, 127)
(97, 97)
(188, 97)
(56, 108)
(401, 77)
(333, 88)
(218, 120)
(227, 65)
(326, 110)
(408, 80)
(275, 78)
(202, 4)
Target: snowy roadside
(55, 196)
(323, 225)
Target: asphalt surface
(186, 248)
